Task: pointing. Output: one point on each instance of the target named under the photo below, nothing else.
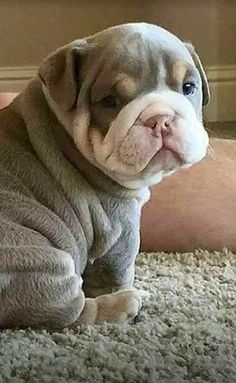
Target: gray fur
(60, 217)
(52, 222)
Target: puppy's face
(131, 98)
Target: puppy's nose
(161, 124)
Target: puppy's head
(131, 98)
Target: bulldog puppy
(107, 117)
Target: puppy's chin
(164, 163)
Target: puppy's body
(56, 219)
(74, 174)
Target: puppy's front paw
(117, 307)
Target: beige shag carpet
(186, 331)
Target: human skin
(194, 208)
(6, 98)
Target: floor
(185, 332)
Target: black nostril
(166, 130)
(151, 123)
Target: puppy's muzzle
(159, 130)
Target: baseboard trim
(222, 80)
(15, 79)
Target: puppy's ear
(205, 85)
(58, 73)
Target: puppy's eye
(110, 101)
(189, 88)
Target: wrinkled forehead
(137, 55)
(140, 35)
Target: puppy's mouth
(166, 153)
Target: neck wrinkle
(100, 232)
(94, 176)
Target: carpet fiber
(186, 331)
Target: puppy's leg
(110, 280)
(38, 287)
(109, 274)
(115, 270)
(117, 307)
